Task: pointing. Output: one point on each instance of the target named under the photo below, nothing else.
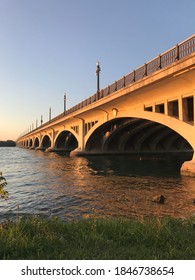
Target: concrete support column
(52, 139)
(82, 134)
(166, 107)
(180, 107)
(81, 140)
(52, 146)
(194, 106)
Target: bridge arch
(137, 135)
(184, 129)
(46, 142)
(66, 140)
(36, 142)
(30, 143)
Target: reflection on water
(135, 166)
(74, 187)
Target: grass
(36, 238)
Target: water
(49, 184)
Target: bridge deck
(176, 53)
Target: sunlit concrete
(165, 97)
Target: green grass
(37, 238)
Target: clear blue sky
(48, 47)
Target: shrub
(3, 183)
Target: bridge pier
(39, 149)
(77, 152)
(188, 168)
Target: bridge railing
(178, 52)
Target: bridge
(150, 110)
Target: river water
(49, 184)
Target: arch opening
(46, 142)
(137, 136)
(36, 143)
(66, 141)
(30, 143)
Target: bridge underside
(66, 141)
(137, 136)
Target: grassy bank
(36, 238)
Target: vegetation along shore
(156, 238)
(8, 143)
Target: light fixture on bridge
(98, 69)
(114, 112)
(64, 103)
(50, 114)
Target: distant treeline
(8, 143)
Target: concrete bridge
(150, 110)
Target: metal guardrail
(178, 52)
(181, 50)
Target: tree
(3, 183)
(8, 143)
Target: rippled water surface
(73, 187)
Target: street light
(98, 69)
(50, 114)
(64, 103)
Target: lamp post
(98, 69)
(64, 103)
(50, 114)
(41, 119)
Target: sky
(50, 47)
